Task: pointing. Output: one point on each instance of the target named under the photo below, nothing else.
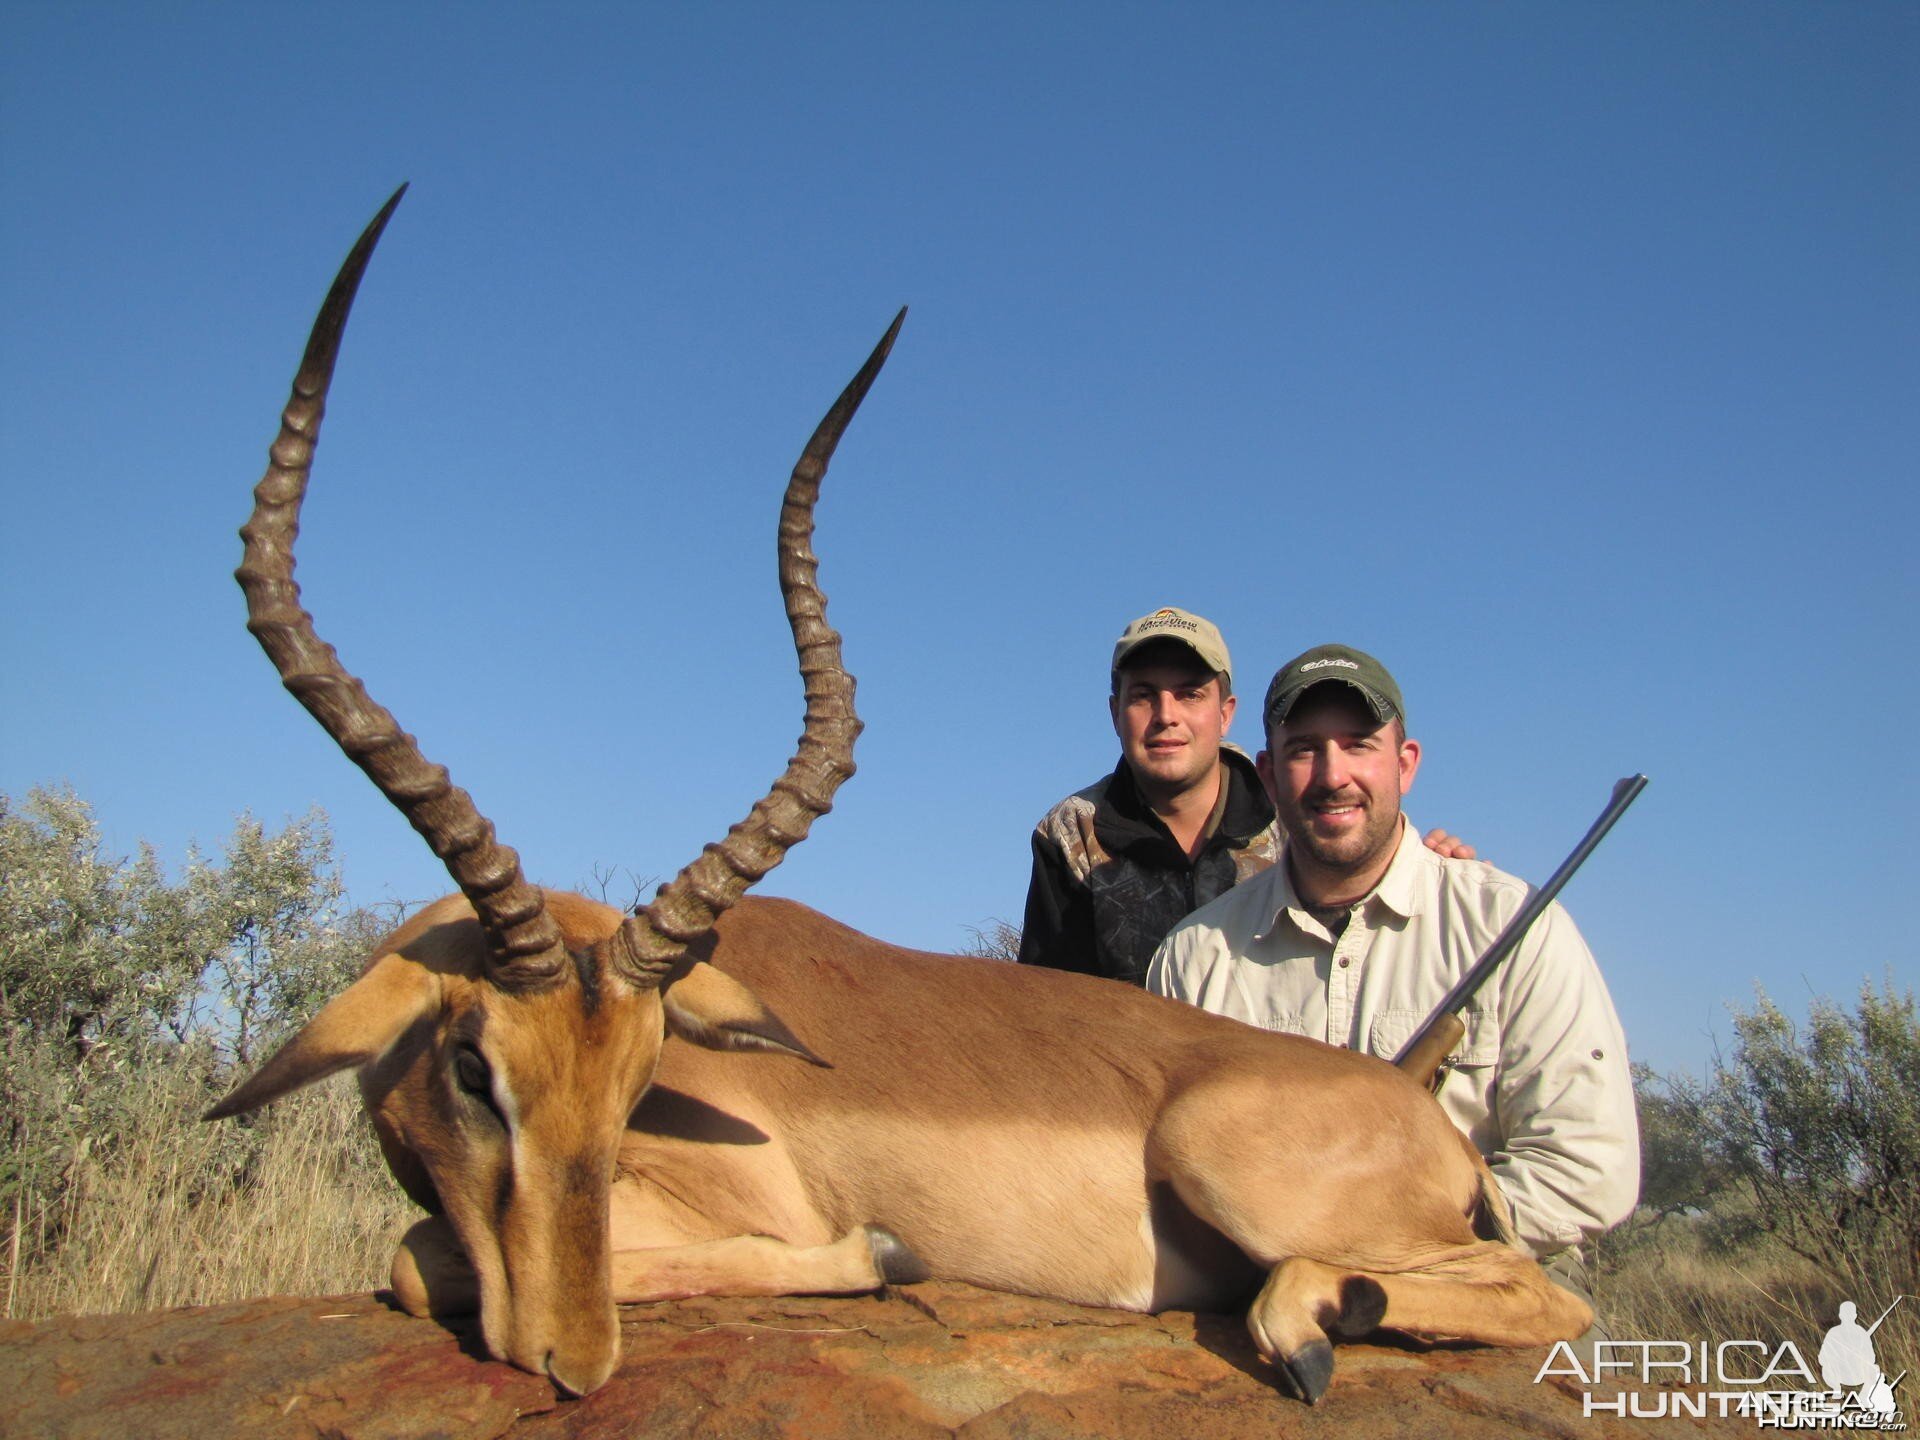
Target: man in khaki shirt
(1359, 932)
(1181, 820)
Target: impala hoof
(1308, 1370)
(897, 1264)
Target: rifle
(1886, 1312)
(1424, 1055)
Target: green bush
(1821, 1128)
(128, 1004)
(1786, 1182)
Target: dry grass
(1679, 1280)
(175, 1212)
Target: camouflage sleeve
(1058, 929)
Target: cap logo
(1322, 664)
(1167, 620)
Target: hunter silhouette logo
(1847, 1362)
(1774, 1385)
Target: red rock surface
(920, 1361)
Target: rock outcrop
(930, 1360)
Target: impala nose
(573, 1382)
(578, 1375)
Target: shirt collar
(1400, 889)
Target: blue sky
(1562, 356)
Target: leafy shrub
(128, 1004)
(1786, 1182)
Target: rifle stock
(1429, 1050)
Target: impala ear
(716, 1011)
(355, 1026)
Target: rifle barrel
(1886, 1312)
(1625, 792)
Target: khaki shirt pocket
(1480, 1046)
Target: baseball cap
(1198, 635)
(1334, 662)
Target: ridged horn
(650, 941)
(524, 941)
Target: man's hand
(1451, 847)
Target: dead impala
(918, 1115)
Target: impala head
(504, 1035)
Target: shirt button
(1598, 1055)
(1343, 965)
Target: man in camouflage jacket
(1181, 819)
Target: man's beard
(1353, 850)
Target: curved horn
(650, 941)
(525, 942)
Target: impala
(707, 1096)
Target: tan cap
(1198, 635)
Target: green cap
(1198, 635)
(1334, 662)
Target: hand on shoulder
(1450, 847)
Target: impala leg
(431, 1274)
(1487, 1293)
(863, 1259)
(1302, 1303)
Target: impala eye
(472, 1073)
